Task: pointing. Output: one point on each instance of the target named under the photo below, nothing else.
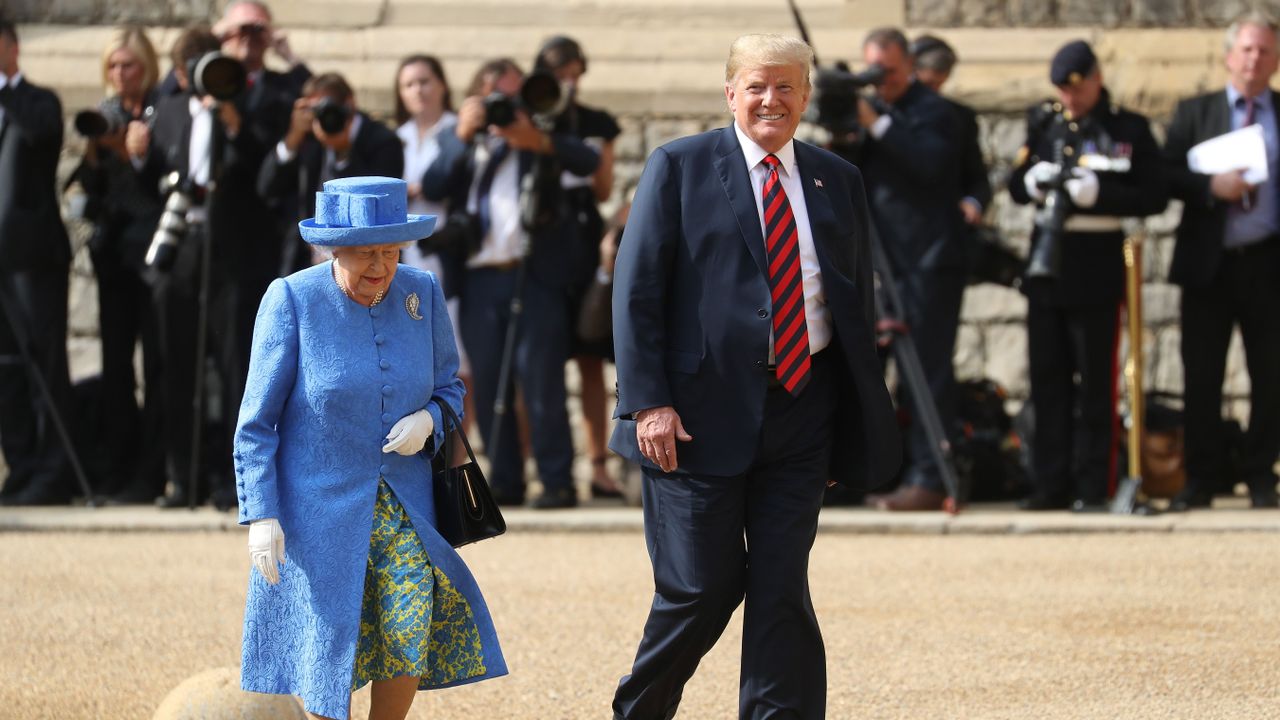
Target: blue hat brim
(416, 228)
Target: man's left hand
(867, 115)
(522, 134)
(1083, 187)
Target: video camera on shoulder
(539, 96)
(834, 102)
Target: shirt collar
(1260, 101)
(755, 154)
(194, 105)
(11, 81)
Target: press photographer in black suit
(909, 154)
(328, 138)
(206, 142)
(35, 257)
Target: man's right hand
(1229, 186)
(657, 430)
(470, 118)
(299, 124)
(137, 139)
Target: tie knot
(772, 161)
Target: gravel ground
(1064, 626)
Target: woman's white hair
(767, 50)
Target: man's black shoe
(37, 495)
(1037, 503)
(508, 499)
(1188, 499)
(556, 499)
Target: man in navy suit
(747, 381)
(1226, 259)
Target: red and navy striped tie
(790, 330)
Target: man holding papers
(1227, 260)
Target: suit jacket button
(762, 313)
(759, 363)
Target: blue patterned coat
(327, 380)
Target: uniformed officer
(1087, 163)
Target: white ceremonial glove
(266, 548)
(1041, 172)
(1083, 187)
(409, 435)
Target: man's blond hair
(767, 50)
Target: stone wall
(658, 64)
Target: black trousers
(1244, 292)
(133, 456)
(177, 298)
(1076, 434)
(35, 455)
(931, 302)
(714, 541)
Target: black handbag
(465, 509)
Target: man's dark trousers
(695, 527)
(1243, 291)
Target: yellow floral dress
(413, 621)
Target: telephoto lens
(172, 227)
(331, 115)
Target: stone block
(969, 359)
(1165, 223)
(1158, 255)
(82, 306)
(1006, 359)
(1089, 13)
(141, 12)
(1166, 375)
(329, 13)
(1031, 13)
(988, 303)
(629, 145)
(1158, 13)
(216, 695)
(1237, 380)
(984, 13)
(1160, 304)
(662, 131)
(1220, 12)
(933, 13)
(84, 357)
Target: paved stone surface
(918, 627)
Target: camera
(539, 96)
(331, 115)
(107, 119)
(215, 75)
(172, 227)
(834, 105)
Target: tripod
(19, 330)
(890, 312)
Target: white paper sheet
(1243, 148)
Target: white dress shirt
(817, 316)
(198, 159)
(6, 81)
(502, 243)
(419, 152)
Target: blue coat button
(384, 469)
(386, 417)
(375, 312)
(379, 338)
(386, 390)
(384, 364)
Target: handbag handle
(451, 418)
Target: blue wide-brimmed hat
(364, 211)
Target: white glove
(1041, 172)
(266, 548)
(1083, 187)
(409, 435)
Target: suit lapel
(1220, 117)
(821, 216)
(732, 169)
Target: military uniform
(1073, 316)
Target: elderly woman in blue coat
(332, 452)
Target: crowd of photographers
(194, 183)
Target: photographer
(33, 286)
(124, 211)
(328, 138)
(909, 153)
(1099, 163)
(216, 148)
(496, 151)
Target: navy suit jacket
(32, 236)
(692, 308)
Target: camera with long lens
(834, 101)
(215, 75)
(1045, 260)
(331, 115)
(539, 96)
(107, 119)
(172, 228)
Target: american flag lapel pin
(817, 182)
